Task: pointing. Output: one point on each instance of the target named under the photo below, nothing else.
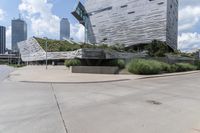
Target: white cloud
(189, 19)
(184, 3)
(44, 22)
(2, 14)
(77, 32)
(189, 16)
(189, 41)
(8, 37)
(39, 13)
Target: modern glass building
(19, 32)
(2, 39)
(64, 29)
(132, 22)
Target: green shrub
(17, 65)
(72, 62)
(197, 64)
(141, 66)
(173, 68)
(3, 62)
(182, 67)
(166, 67)
(120, 63)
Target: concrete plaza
(158, 105)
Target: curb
(169, 75)
(92, 82)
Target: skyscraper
(19, 32)
(2, 39)
(132, 22)
(64, 29)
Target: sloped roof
(31, 50)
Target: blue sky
(43, 18)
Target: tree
(157, 48)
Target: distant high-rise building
(64, 29)
(132, 22)
(19, 32)
(2, 39)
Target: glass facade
(2, 39)
(19, 33)
(80, 14)
(64, 29)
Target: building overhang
(80, 13)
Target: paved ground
(61, 74)
(159, 105)
(5, 71)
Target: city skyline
(64, 29)
(38, 20)
(19, 32)
(2, 39)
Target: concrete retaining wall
(94, 69)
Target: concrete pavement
(159, 105)
(61, 74)
(5, 71)
(28, 109)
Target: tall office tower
(2, 39)
(64, 29)
(19, 32)
(132, 22)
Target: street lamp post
(46, 53)
(19, 57)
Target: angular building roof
(31, 50)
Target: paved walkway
(161, 105)
(5, 71)
(61, 74)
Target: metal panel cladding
(132, 22)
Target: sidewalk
(168, 74)
(61, 74)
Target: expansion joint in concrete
(59, 109)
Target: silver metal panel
(132, 22)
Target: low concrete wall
(94, 69)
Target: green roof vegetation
(155, 48)
(57, 46)
(61, 46)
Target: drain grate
(154, 102)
